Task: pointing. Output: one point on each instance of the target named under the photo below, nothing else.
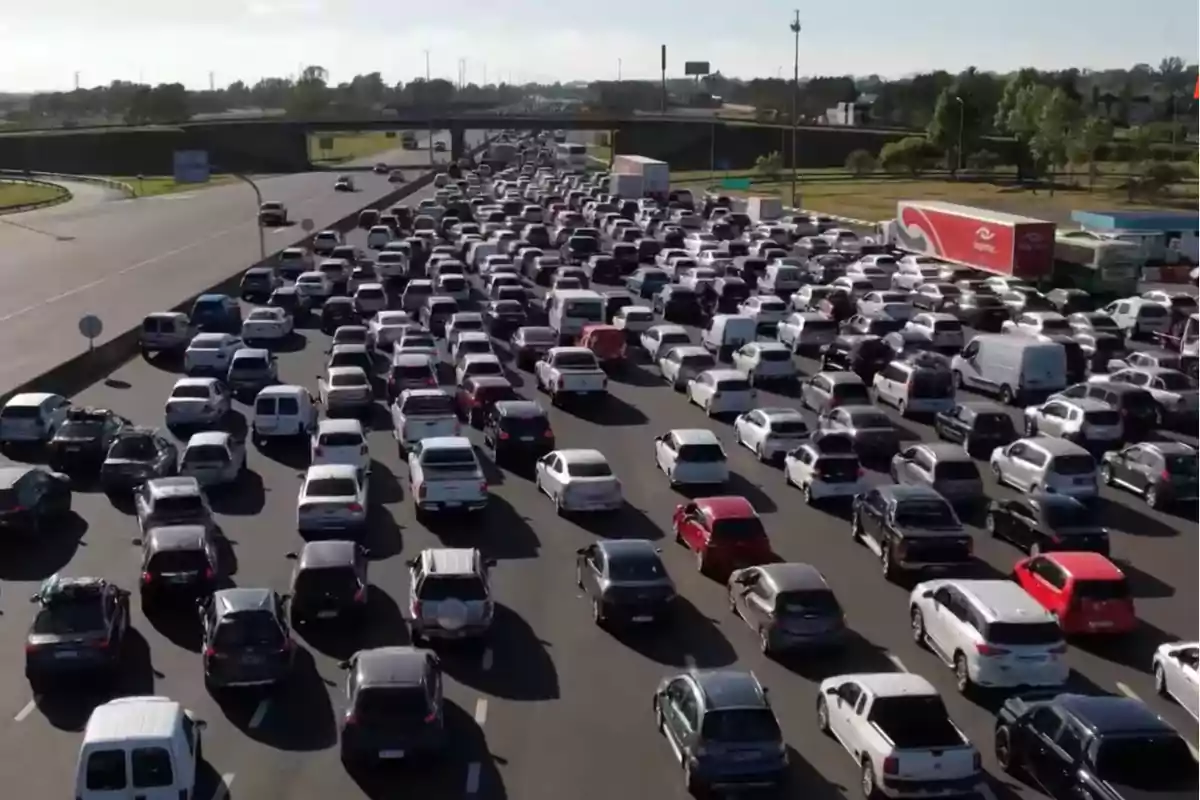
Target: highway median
(27, 194)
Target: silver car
(1041, 463)
(213, 458)
(449, 597)
(872, 431)
(945, 467)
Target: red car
(725, 533)
(1087, 592)
(476, 396)
(607, 342)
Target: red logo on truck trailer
(1002, 243)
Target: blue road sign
(723, 164)
(191, 166)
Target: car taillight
(504, 435)
(209, 573)
(416, 608)
(100, 644)
(985, 649)
(350, 719)
(548, 434)
(562, 382)
(862, 473)
(891, 765)
(1058, 650)
(421, 492)
(431, 381)
(360, 595)
(976, 761)
(431, 718)
(476, 402)
(288, 645)
(31, 648)
(483, 487)
(362, 450)
(147, 577)
(354, 508)
(209, 652)
(318, 451)
(1164, 475)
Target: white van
(139, 748)
(1139, 318)
(283, 410)
(569, 310)
(780, 279)
(914, 388)
(727, 332)
(478, 253)
(1019, 370)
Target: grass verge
(154, 185)
(13, 195)
(349, 146)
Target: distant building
(856, 113)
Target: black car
(913, 528)
(31, 497)
(1164, 473)
(979, 426)
(1137, 407)
(625, 254)
(1042, 523)
(81, 443)
(179, 562)
(983, 312)
(78, 633)
(394, 706)
(625, 581)
(603, 269)
(517, 432)
(503, 317)
(291, 301)
(614, 301)
(677, 304)
(862, 355)
(246, 641)
(528, 344)
(136, 456)
(1101, 747)
(348, 253)
(329, 583)
(257, 284)
(338, 311)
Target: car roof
(318, 471)
(1170, 448)
(983, 407)
(583, 456)
(196, 381)
(29, 399)
(778, 412)
(1054, 445)
(174, 486)
(726, 507)
(445, 442)
(203, 438)
(729, 688)
(1086, 566)
(1003, 601)
(451, 560)
(892, 684)
(1087, 403)
(792, 575)
(398, 665)
(628, 548)
(525, 409)
(339, 425)
(282, 390)
(176, 537)
(488, 381)
(722, 374)
(1112, 714)
(770, 346)
(328, 553)
(125, 718)
(914, 491)
(836, 377)
(695, 436)
(230, 601)
(945, 451)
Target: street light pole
(429, 143)
(962, 113)
(262, 236)
(795, 27)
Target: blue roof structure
(1137, 220)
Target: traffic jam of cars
(894, 397)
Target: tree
(983, 161)
(1055, 121)
(1139, 142)
(860, 163)
(1092, 134)
(1024, 121)
(770, 165)
(911, 154)
(955, 126)
(1022, 80)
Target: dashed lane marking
(489, 658)
(481, 711)
(474, 773)
(222, 791)
(260, 713)
(26, 711)
(895, 659)
(1125, 690)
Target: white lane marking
(689, 661)
(26, 711)
(260, 713)
(895, 659)
(222, 791)
(481, 711)
(489, 658)
(474, 772)
(1125, 690)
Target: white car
(578, 480)
(806, 330)
(691, 456)
(698, 277)
(324, 242)
(378, 237)
(1001, 285)
(423, 414)
(992, 633)
(332, 499)
(444, 474)
(210, 353)
(266, 324)
(766, 310)
(474, 365)
(658, 339)
(943, 331)
(770, 433)
(362, 273)
(32, 417)
(1175, 667)
(370, 299)
(721, 391)
(197, 401)
(1043, 463)
(680, 364)
(386, 327)
(765, 362)
(461, 322)
(213, 458)
(634, 320)
(824, 474)
(345, 389)
(340, 441)
(879, 279)
(470, 343)
(1083, 419)
(314, 285)
(1175, 393)
(893, 304)
(910, 275)
(1038, 323)
(453, 285)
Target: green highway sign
(735, 183)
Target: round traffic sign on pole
(307, 224)
(90, 327)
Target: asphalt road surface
(556, 707)
(121, 260)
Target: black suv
(979, 426)
(136, 456)
(78, 631)
(329, 583)
(394, 705)
(1040, 523)
(179, 562)
(863, 355)
(517, 431)
(81, 443)
(1164, 473)
(246, 639)
(30, 496)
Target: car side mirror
(291, 556)
(582, 551)
(489, 562)
(136, 542)
(413, 562)
(831, 691)
(927, 594)
(344, 665)
(33, 598)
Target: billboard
(696, 68)
(191, 166)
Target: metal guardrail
(120, 186)
(63, 196)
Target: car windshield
(250, 364)
(741, 726)
(167, 561)
(997, 422)
(341, 439)
(1181, 465)
(851, 394)
(206, 454)
(925, 514)
(389, 705)
(807, 602)
(340, 581)
(248, 629)
(930, 383)
(180, 505)
(331, 487)
(191, 391)
(956, 471)
(738, 528)
(1147, 762)
(134, 448)
(69, 617)
(863, 420)
(635, 568)
(466, 588)
(1174, 382)
(789, 427)
(81, 429)
(705, 453)
(589, 469)
(1068, 515)
(347, 379)
(1074, 464)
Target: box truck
(656, 175)
(764, 209)
(993, 241)
(628, 185)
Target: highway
(556, 708)
(120, 260)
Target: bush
(1121, 151)
(983, 161)
(912, 154)
(770, 165)
(860, 163)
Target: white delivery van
(283, 410)
(727, 332)
(139, 748)
(569, 310)
(1019, 370)
(915, 388)
(780, 279)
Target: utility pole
(795, 27)
(212, 81)
(77, 80)
(962, 113)
(618, 70)
(429, 143)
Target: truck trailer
(993, 241)
(656, 175)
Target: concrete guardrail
(120, 186)
(63, 196)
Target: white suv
(990, 632)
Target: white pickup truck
(445, 475)
(423, 414)
(896, 727)
(570, 372)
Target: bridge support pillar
(458, 142)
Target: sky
(43, 44)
